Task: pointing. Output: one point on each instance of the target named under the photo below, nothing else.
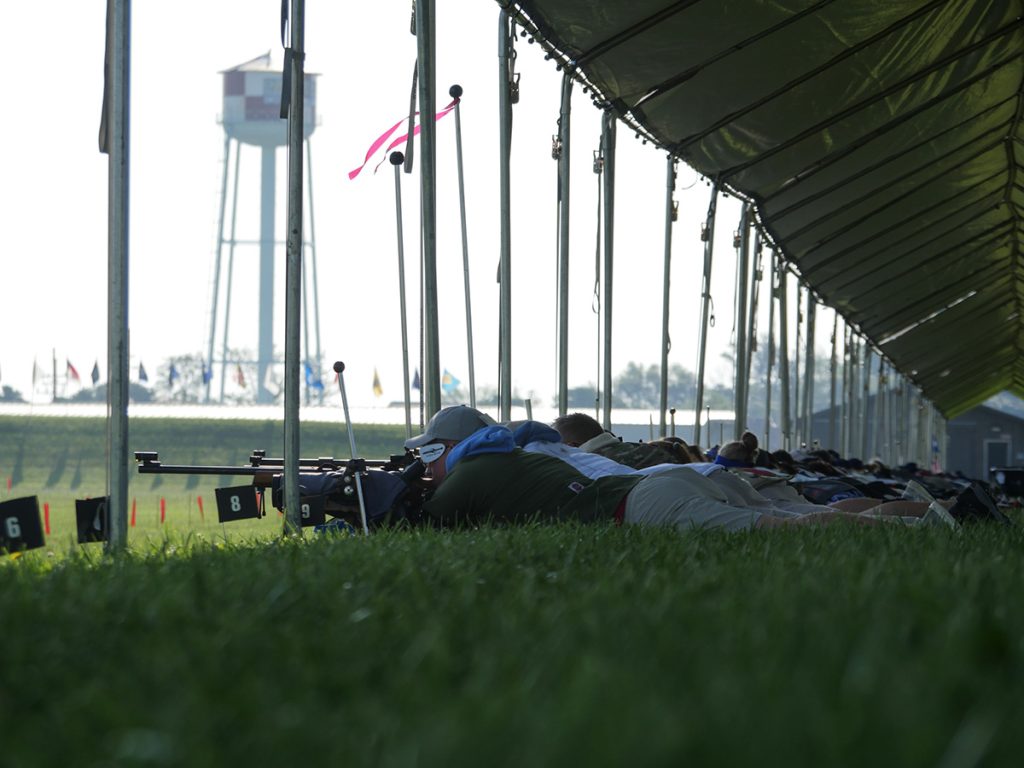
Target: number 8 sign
(20, 527)
(237, 503)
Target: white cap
(456, 422)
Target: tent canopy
(880, 141)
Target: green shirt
(521, 486)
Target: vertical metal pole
(608, 129)
(456, 93)
(784, 401)
(742, 277)
(844, 398)
(119, 78)
(396, 160)
(755, 292)
(666, 342)
(771, 355)
(855, 396)
(877, 415)
(425, 39)
(312, 258)
(208, 370)
(230, 275)
(865, 436)
(808, 432)
(293, 268)
(563, 245)
(705, 292)
(833, 372)
(504, 175)
(798, 411)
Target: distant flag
(142, 373)
(378, 390)
(416, 380)
(72, 372)
(95, 372)
(448, 382)
(207, 374)
(173, 375)
(239, 376)
(312, 380)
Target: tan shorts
(681, 499)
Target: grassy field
(63, 459)
(551, 645)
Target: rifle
(393, 489)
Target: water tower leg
(208, 370)
(230, 275)
(266, 323)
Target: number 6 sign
(20, 527)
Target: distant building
(984, 437)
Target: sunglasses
(432, 452)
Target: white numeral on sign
(236, 504)
(13, 528)
(305, 511)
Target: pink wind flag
(379, 142)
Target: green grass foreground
(549, 645)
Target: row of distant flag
(449, 383)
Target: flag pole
(397, 160)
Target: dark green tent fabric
(879, 139)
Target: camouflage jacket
(636, 455)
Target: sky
(53, 202)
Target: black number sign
(237, 503)
(91, 518)
(312, 510)
(19, 525)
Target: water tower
(252, 116)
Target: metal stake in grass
(339, 368)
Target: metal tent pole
(771, 354)
(118, 79)
(865, 435)
(425, 46)
(755, 292)
(293, 266)
(208, 370)
(666, 342)
(397, 159)
(505, 80)
(808, 401)
(833, 371)
(705, 292)
(798, 412)
(743, 269)
(456, 93)
(608, 126)
(563, 244)
(844, 402)
(784, 401)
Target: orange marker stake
(133, 513)
(199, 503)
(46, 517)
(163, 510)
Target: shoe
(974, 505)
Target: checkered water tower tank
(252, 103)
